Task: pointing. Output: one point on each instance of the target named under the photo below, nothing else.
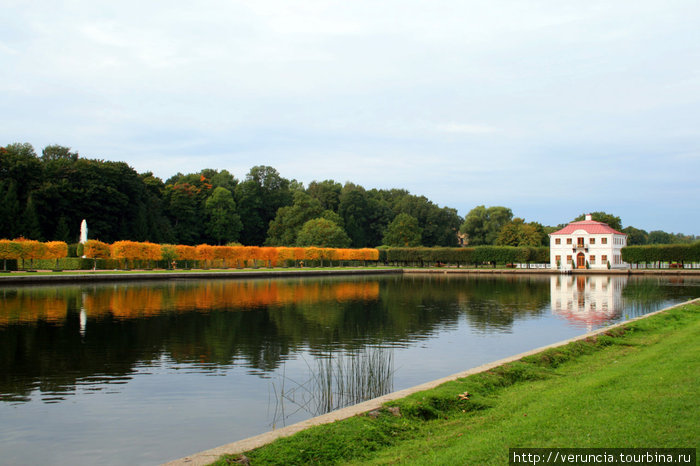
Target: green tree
(32, 229)
(224, 224)
(322, 233)
(403, 231)
(221, 178)
(659, 237)
(20, 163)
(611, 220)
(327, 192)
(56, 152)
(62, 231)
(482, 225)
(10, 218)
(519, 233)
(635, 236)
(355, 210)
(289, 219)
(333, 217)
(258, 198)
(184, 207)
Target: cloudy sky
(552, 108)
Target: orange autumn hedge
(230, 256)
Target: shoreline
(209, 456)
(107, 276)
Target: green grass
(635, 386)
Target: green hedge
(478, 255)
(8, 265)
(662, 253)
(68, 263)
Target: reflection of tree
(642, 294)
(489, 303)
(255, 323)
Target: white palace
(587, 244)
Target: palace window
(604, 258)
(592, 260)
(568, 240)
(592, 240)
(557, 241)
(603, 240)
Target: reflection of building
(587, 244)
(590, 300)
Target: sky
(552, 108)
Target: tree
(183, 203)
(258, 198)
(222, 178)
(635, 236)
(10, 220)
(289, 219)
(519, 233)
(9, 250)
(659, 237)
(327, 192)
(322, 233)
(56, 152)
(482, 225)
(62, 232)
(20, 163)
(354, 209)
(403, 231)
(224, 224)
(611, 220)
(32, 229)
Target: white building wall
(612, 249)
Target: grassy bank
(635, 386)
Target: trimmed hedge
(662, 253)
(70, 263)
(478, 255)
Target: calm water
(145, 373)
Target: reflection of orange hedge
(135, 302)
(28, 308)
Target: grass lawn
(635, 386)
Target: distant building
(587, 243)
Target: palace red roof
(589, 226)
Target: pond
(143, 373)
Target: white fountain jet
(83, 232)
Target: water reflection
(587, 301)
(236, 358)
(59, 340)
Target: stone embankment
(104, 276)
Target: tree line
(45, 197)
(496, 226)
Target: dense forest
(45, 197)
